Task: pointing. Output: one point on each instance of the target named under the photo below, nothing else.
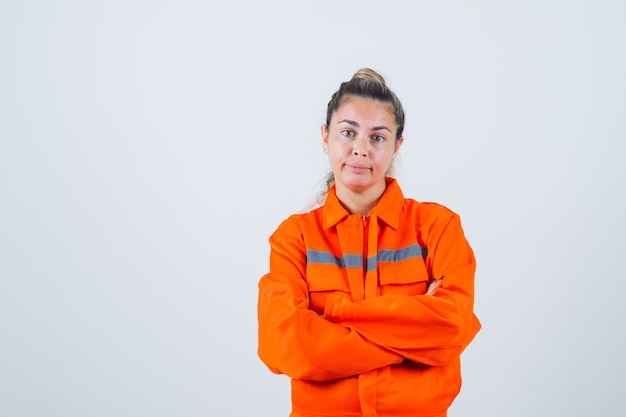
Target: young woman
(369, 300)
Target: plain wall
(149, 148)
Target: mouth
(357, 168)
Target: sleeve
(297, 341)
(431, 329)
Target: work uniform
(344, 310)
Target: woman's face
(361, 144)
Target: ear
(324, 131)
(399, 143)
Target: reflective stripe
(371, 263)
(327, 258)
(403, 254)
(356, 260)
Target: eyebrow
(355, 124)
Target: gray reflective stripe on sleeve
(398, 255)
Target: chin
(357, 186)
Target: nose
(359, 146)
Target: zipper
(366, 223)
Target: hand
(433, 286)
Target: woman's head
(362, 134)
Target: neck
(360, 202)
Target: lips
(357, 167)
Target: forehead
(364, 110)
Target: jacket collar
(388, 208)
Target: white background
(149, 148)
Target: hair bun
(369, 74)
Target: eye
(378, 138)
(347, 133)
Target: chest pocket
(323, 280)
(405, 277)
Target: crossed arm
(356, 337)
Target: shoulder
(433, 212)
(296, 223)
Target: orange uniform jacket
(343, 310)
